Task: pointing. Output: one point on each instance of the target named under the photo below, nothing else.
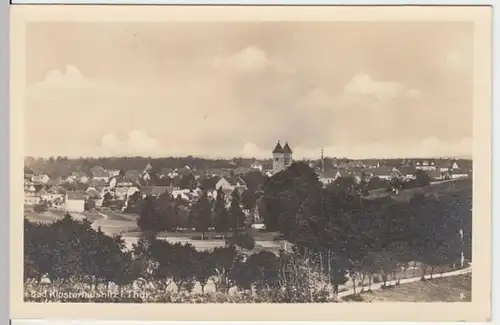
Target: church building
(282, 157)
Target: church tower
(287, 155)
(282, 157)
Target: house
(184, 171)
(92, 193)
(100, 175)
(449, 166)
(75, 201)
(133, 176)
(256, 166)
(407, 172)
(425, 165)
(27, 183)
(384, 173)
(230, 183)
(80, 177)
(146, 177)
(185, 195)
(165, 173)
(329, 176)
(155, 190)
(55, 195)
(148, 168)
(99, 183)
(31, 196)
(121, 192)
(113, 172)
(40, 179)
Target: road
(378, 286)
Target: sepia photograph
(195, 161)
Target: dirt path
(378, 286)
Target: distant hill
(447, 187)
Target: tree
(262, 269)
(249, 201)
(283, 195)
(150, 219)
(168, 212)
(225, 261)
(127, 270)
(89, 205)
(133, 202)
(40, 208)
(107, 198)
(237, 215)
(422, 178)
(220, 214)
(187, 181)
(201, 214)
(376, 182)
(345, 184)
(254, 180)
(243, 239)
(338, 268)
(205, 268)
(183, 265)
(396, 184)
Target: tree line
(220, 214)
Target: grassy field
(437, 189)
(450, 289)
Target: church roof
(278, 148)
(286, 149)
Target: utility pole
(322, 161)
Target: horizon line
(462, 157)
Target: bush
(244, 240)
(40, 208)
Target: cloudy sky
(234, 89)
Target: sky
(355, 89)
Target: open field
(439, 188)
(446, 289)
(113, 223)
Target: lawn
(119, 216)
(258, 235)
(449, 289)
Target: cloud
(251, 150)
(72, 84)
(136, 143)
(248, 60)
(363, 84)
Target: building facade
(282, 157)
